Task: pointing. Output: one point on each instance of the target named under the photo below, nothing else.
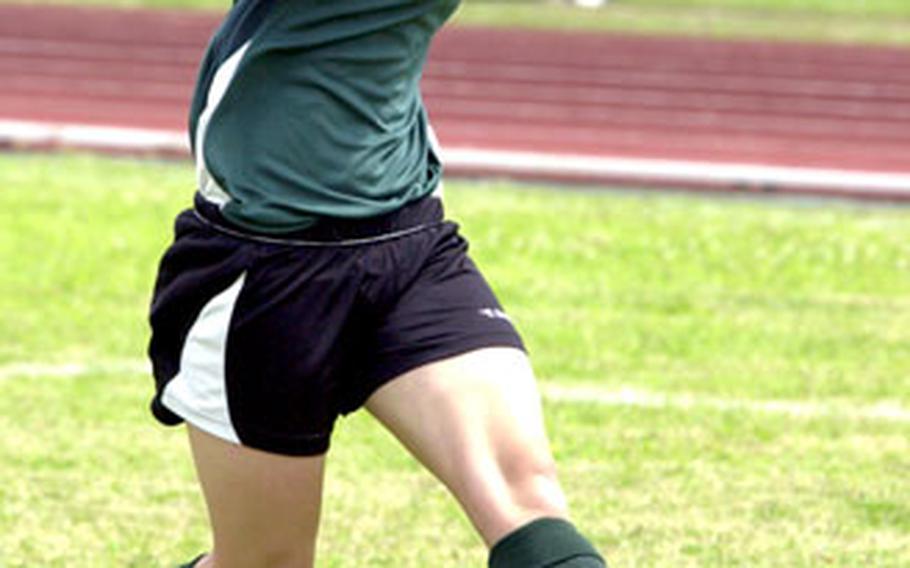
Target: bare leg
(475, 421)
(264, 508)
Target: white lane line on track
(881, 411)
(24, 133)
(505, 162)
(680, 171)
(70, 370)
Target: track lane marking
(855, 183)
(882, 411)
(889, 411)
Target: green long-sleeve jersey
(311, 108)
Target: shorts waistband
(333, 231)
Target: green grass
(848, 21)
(729, 299)
(845, 21)
(809, 7)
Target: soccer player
(316, 274)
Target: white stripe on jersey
(208, 187)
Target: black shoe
(192, 562)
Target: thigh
(264, 508)
(475, 421)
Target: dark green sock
(192, 562)
(545, 543)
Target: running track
(543, 105)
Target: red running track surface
(780, 104)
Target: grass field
(851, 21)
(760, 351)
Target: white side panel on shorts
(208, 187)
(198, 393)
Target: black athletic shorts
(264, 341)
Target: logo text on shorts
(494, 313)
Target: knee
(292, 558)
(510, 491)
(533, 484)
(287, 556)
